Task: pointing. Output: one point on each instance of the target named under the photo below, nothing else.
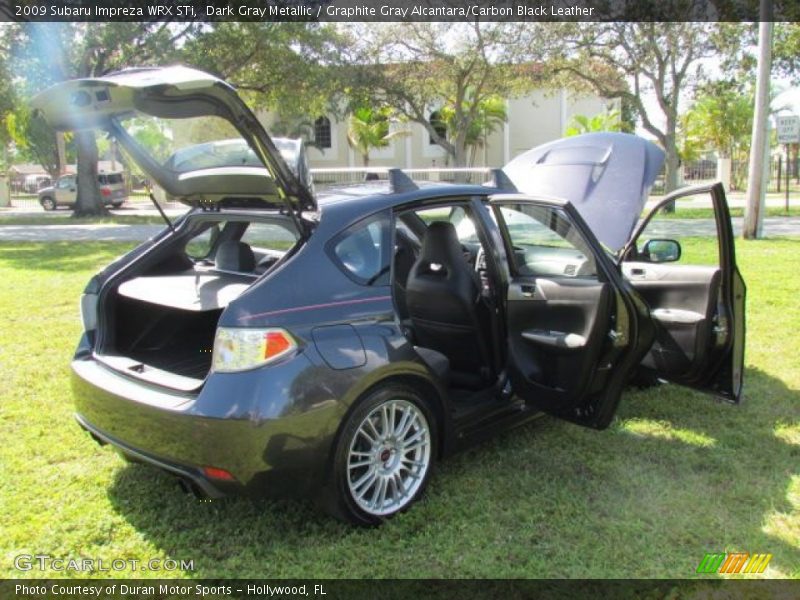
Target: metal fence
(702, 171)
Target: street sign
(788, 129)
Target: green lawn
(66, 218)
(682, 212)
(676, 476)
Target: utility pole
(756, 180)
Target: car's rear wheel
(48, 203)
(384, 456)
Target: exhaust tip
(191, 488)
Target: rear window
(110, 178)
(362, 251)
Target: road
(773, 227)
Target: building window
(322, 132)
(435, 119)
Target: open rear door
(573, 328)
(688, 278)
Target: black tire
(339, 500)
(48, 203)
(116, 204)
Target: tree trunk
(460, 157)
(89, 202)
(672, 163)
(61, 152)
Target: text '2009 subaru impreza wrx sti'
(278, 341)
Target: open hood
(606, 176)
(178, 93)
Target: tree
(491, 114)
(286, 67)
(420, 68)
(35, 140)
(664, 59)
(368, 128)
(720, 119)
(786, 50)
(605, 121)
(47, 53)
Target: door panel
(697, 311)
(683, 303)
(574, 326)
(553, 326)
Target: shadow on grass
(676, 476)
(61, 257)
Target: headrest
(235, 256)
(440, 247)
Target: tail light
(242, 349)
(89, 311)
(217, 473)
(105, 191)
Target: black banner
(388, 589)
(393, 10)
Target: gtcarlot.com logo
(734, 562)
(45, 562)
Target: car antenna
(502, 182)
(400, 182)
(158, 208)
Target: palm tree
(490, 114)
(368, 128)
(605, 121)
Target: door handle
(529, 291)
(638, 272)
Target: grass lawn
(682, 212)
(677, 475)
(66, 218)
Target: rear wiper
(161, 211)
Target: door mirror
(660, 251)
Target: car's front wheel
(48, 203)
(383, 457)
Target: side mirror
(661, 251)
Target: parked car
(65, 191)
(276, 342)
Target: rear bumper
(191, 475)
(244, 423)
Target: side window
(667, 239)
(544, 242)
(65, 183)
(364, 251)
(200, 246)
(269, 236)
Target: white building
(532, 120)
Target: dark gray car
(277, 342)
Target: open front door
(573, 327)
(685, 270)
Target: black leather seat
(444, 305)
(235, 256)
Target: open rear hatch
(120, 104)
(192, 135)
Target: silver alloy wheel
(389, 456)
